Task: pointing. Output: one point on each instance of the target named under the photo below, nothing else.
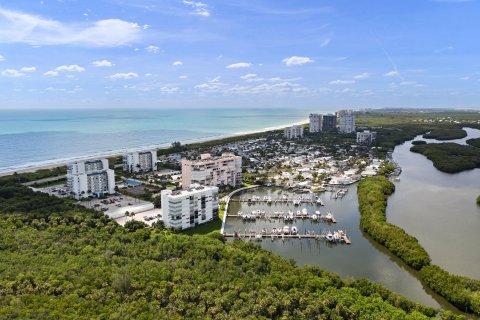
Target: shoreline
(50, 164)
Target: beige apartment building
(212, 171)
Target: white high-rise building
(142, 161)
(315, 122)
(347, 121)
(212, 171)
(366, 137)
(190, 207)
(90, 178)
(293, 132)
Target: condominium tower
(323, 122)
(293, 132)
(140, 161)
(346, 121)
(187, 208)
(90, 178)
(212, 171)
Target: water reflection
(439, 209)
(363, 259)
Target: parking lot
(115, 206)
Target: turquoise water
(41, 137)
(132, 183)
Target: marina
(310, 242)
(286, 233)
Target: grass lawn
(209, 227)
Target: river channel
(437, 208)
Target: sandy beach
(62, 162)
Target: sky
(239, 54)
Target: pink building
(212, 171)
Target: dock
(284, 217)
(341, 238)
(280, 201)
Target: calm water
(439, 209)
(363, 259)
(29, 138)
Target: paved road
(52, 179)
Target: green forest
(462, 292)
(60, 261)
(445, 134)
(474, 142)
(450, 157)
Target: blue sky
(217, 53)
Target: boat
(294, 230)
(296, 202)
(304, 212)
(314, 217)
(258, 237)
(286, 230)
(329, 237)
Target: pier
(335, 237)
(283, 216)
(280, 201)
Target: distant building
(329, 123)
(90, 178)
(315, 122)
(323, 123)
(212, 171)
(366, 137)
(346, 121)
(143, 161)
(293, 132)
(190, 207)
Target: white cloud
(392, 74)
(239, 65)
(444, 49)
(296, 60)
(12, 73)
(464, 78)
(2, 58)
(28, 69)
(124, 76)
(167, 89)
(177, 63)
(70, 68)
(35, 30)
(342, 81)
(325, 42)
(361, 76)
(251, 77)
(199, 8)
(51, 73)
(153, 49)
(102, 63)
(183, 77)
(146, 26)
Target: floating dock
(255, 236)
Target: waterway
(362, 259)
(439, 209)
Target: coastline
(50, 164)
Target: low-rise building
(190, 207)
(212, 171)
(293, 132)
(142, 161)
(90, 178)
(366, 137)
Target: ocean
(31, 138)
